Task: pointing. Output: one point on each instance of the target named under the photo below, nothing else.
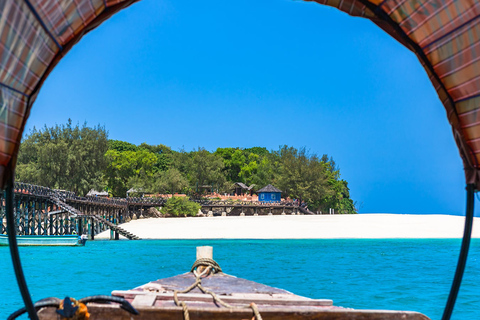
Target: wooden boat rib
(34, 240)
(155, 300)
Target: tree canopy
(64, 156)
(180, 207)
(80, 158)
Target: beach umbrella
(443, 34)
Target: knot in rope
(207, 262)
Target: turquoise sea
(413, 274)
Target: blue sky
(266, 73)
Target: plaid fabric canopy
(444, 34)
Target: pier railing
(41, 210)
(26, 188)
(40, 191)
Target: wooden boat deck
(233, 290)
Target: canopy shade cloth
(444, 34)
(34, 36)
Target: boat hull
(155, 300)
(114, 312)
(67, 240)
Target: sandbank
(301, 227)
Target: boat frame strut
(12, 240)
(462, 259)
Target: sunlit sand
(300, 227)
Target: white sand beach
(301, 227)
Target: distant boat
(33, 240)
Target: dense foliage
(64, 157)
(81, 158)
(180, 207)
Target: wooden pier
(45, 211)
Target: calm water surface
(364, 274)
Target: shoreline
(355, 226)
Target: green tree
(251, 165)
(170, 181)
(158, 149)
(339, 195)
(125, 168)
(163, 153)
(182, 161)
(64, 157)
(302, 175)
(249, 168)
(261, 151)
(233, 160)
(164, 162)
(180, 207)
(267, 171)
(121, 145)
(207, 168)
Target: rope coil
(211, 265)
(207, 262)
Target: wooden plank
(286, 300)
(220, 283)
(146, 300)
(114, 312)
